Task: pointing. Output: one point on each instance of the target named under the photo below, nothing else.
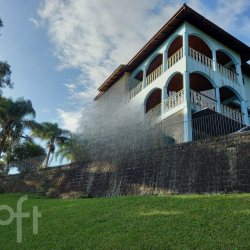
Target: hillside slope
(136, 222)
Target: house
(192, 76)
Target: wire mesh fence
(104, 142)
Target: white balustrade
(154, 75)
(197, 56)
(227, 72)
(136, 90)
(208, 62)
(175, 57)
(232, 113)
(173, 101)
(202, 101)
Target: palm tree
(5, 76)
(72, 149)
(53, 135)
(26, 156)
(5, 72)
(15, 117)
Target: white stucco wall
(114, 105)
(247, 87)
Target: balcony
(156, 73)
(208, 62)
(175, 58)
(195, 56)
(173, 101)
(133, 92)
(199, 102)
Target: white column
(185, 43)
(163, 98)
(244, 112)
(165, 60)
(186, 86)
(187, 109)
(218, 104)
(239, 74)
(214, 59)
(144, 84)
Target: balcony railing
(154, 75)
(173, 101)
(208, 62)
(197, 56)
(232, 113)
(227, 72)
(202, 101)
(175, 57)
(133, 92)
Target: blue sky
(30, 54)
(61, 51)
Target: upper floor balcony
(217, 64)
(202, 95)
(198, 102)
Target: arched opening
(201, 84)
(199, 45)
(153, 100)
(154, 69)
(225, 60)
(175, 46)
(154, 64)
(175, 84)
(136, 80)
(229, 99)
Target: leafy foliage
(15, 117)
(5, 72)
(72, 149)
(5, 76)
(26, 157)
(16, 120)
(53, 135)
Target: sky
(61, 51)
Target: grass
(136, 222)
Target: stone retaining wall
(207, 166)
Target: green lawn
(136, 222)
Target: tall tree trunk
(3, 138)
(47, 158)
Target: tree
(2, 167)
(26, 157)
(53, 135)
(72, 149)
(5, 76)
(15, 117)
(5, 72)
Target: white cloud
(96, 36)
(69, 120)
(35, 22)
(71, 86)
